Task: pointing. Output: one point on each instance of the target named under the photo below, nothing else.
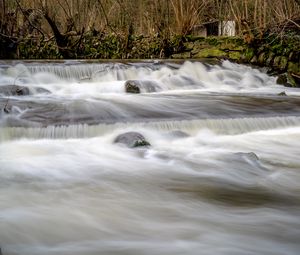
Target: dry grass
(147, 17)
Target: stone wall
(280, 56)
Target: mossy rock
(286, 80)
(276, 62)
(192, 38)
(262, 58)
(248, 55)
(239, 48)
(235, 55)
(296, 78)
(189, 46)
(213, 41)
(293, 67)
(200, 43)
(211, 53)
(278, 49)
(199, 47)
(270, 59)
(227, 46)
(253, 60)
(237, 40)
(141, 143)
(183, 55)
(282, 79)
(283, 63)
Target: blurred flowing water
(221, 175)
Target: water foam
(227, 77)
(220, 126)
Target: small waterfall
(78, 71)
(95, 71)
(190, 75)
(220, 126)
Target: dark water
(230, 185)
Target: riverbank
(279, 54)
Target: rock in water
(141, 86)
(132, 140)
(178, 134)
(14, 90)
(248, 155)
(41, 91)
(282, 93)
(132, 87)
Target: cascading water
(221, 175)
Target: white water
(231, 186)
(84, 80)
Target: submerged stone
(14, 90)
(248, 155)
(132, 140)
(141, 86)
(178, 134)
(17, 90)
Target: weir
(218, 126)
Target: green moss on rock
(210, 53)
(235, 55)
(293, 67)
(261, 58)
(248, 54)
(183, 55)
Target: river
(222, 174)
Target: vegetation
(121, 28)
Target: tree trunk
(62, 41)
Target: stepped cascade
(217, 171)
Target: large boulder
(132, 140)
(141, 86)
